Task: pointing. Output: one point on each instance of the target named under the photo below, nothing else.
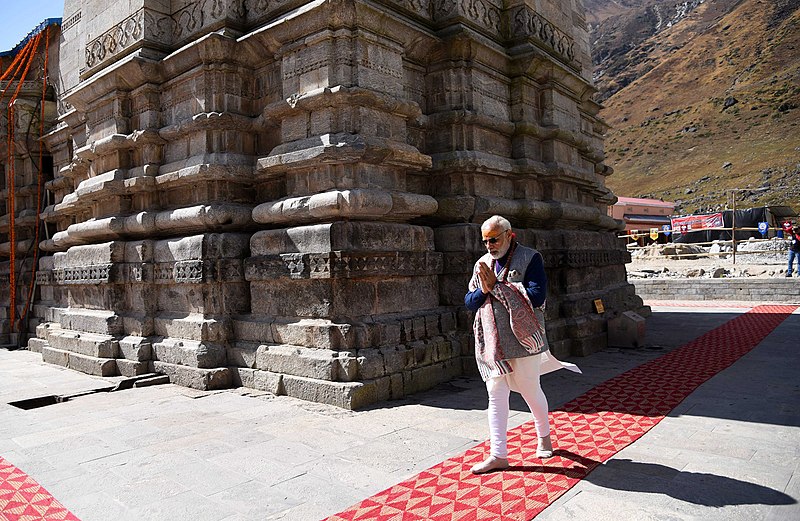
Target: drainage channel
(127, 383)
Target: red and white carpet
(23, 499)
(587, 431)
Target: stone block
(268, 381)
(342, 236)
(89, 255)
(432, 325)
(92, 321)
(93, 365)
(447, 322)
(243, 354)
(196, 378)
(55, 356)
(370, 364)
(88, 344)
(321, 364)
(136, 348)
(626, 330)
(203, 355)
(348, 395)
(36, 344)
(194, 326)
(153, 380)
(320, 333)
(255, 330)
(394, 359)
(139, 325)
(242, 377)
(132, 367)
(442, 350)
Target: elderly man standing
(507, 291)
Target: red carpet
(22, 499)
(587, 431)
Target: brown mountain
(703, 97)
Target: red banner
(692, 223)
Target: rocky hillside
(703, 98)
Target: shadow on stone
(692, 487)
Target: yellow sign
(635, 235)
(598, 305)
(654, 233)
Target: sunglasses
(492, 240)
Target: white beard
(500, 253)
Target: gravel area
(754, 258)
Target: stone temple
(287, 195)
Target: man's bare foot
(489, 464)
(545, 448)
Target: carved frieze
(92, 274)
(524, 22)
(116, 39)
(176, 272)
(342, 265)
(480, 12)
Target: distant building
(642, 214)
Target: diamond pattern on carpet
(587, 431)
(23, 499)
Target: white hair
(496, 221)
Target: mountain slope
(705, 104)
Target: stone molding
(193, 271)
(523, 21)
(341, 265)
(115, 40)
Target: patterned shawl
(526, 328)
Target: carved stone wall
(287, 195)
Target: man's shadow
(692, 487)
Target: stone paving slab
(729, 451)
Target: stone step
(196, 378)
(154, 380)
(136, 348)
(190, 353)
(88, 344)
(133, 367)
(36, 344)
(91, 321)
(82, 363)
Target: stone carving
(115, 39)
(71, 22)
(93, 274)
(342, 265)
(297, 187)
(481, 12)
(524, 21)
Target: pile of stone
(754, 258)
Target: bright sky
(19, 17)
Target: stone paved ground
(729, 451)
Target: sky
(21, 16)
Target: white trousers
(524, 379)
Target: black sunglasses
(493, 240)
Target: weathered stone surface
(93, 365)
(196, 378)
(92, 321)
(322, 201)
(89, 344)
(135, 348)
(132, 367)
(204, 355)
